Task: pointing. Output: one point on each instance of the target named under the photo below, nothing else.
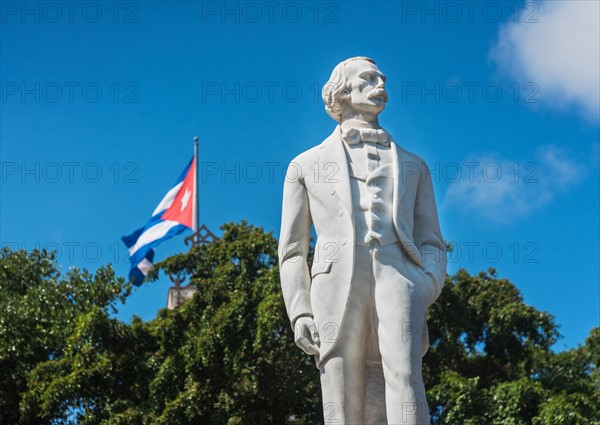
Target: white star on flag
(185, 199)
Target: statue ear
(345, 91)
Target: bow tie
(352, 136)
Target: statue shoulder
(307, 156)
(301, 164)
(408, 156)
(307, 159)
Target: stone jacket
(317, 192)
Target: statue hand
(306, 336)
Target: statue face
(365, 90)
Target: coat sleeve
(427, 234)
(294, 242)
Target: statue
(379, 259)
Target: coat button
(332, 191)
(340, 213)
(375, 227)
(344, 241)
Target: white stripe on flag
(144, 266)
(168, 199)
(154, 233)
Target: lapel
(400, 185)
(334, 168)
(400, 182)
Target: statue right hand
(306, 336)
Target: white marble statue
(379, 262)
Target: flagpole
(201, 234)
(196, 206)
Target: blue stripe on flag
(136, 275)
(140, 253)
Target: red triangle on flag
(182, 208)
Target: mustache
(377, 93)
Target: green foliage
(227, 356)
(490, 360)
(39, 313)
(229, 353)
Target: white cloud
(560, 52)
(502, 191)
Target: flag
(174, 214)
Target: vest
(372, 197)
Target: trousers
(373, 374)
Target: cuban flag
(174, 214)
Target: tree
(228, 357)
(491, 361)
(39, 312)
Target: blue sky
(101, 100)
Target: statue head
(356, 86)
